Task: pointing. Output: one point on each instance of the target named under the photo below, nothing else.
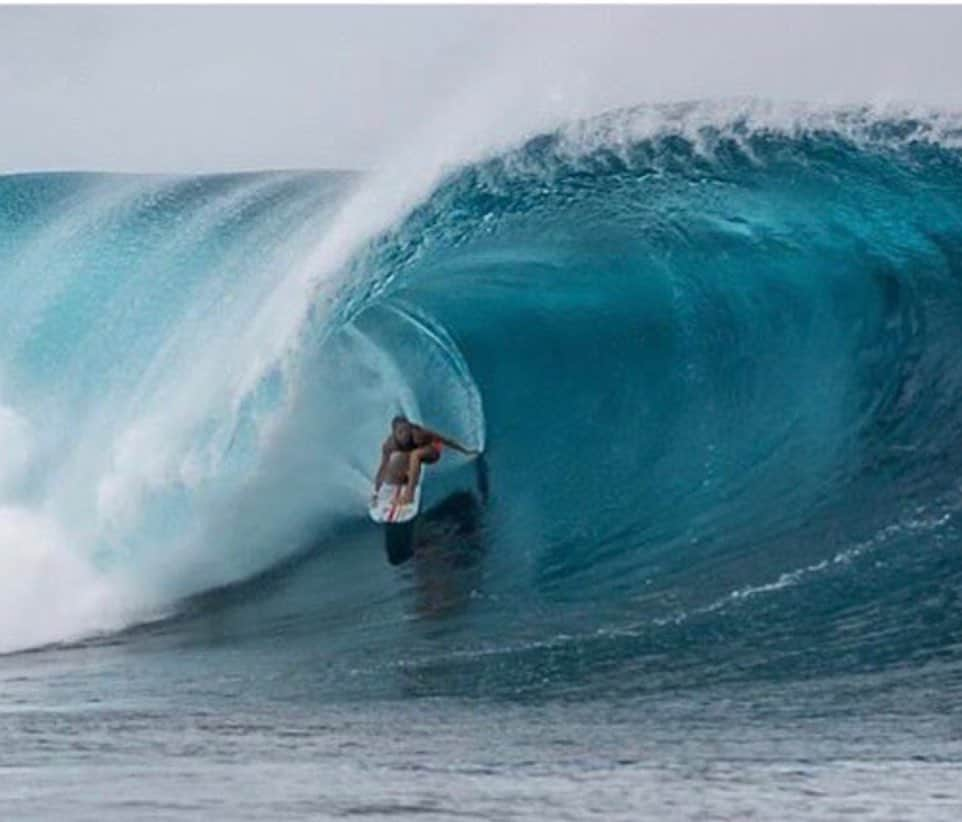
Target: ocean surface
(709, 568)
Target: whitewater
(711, 354)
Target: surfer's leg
(397, 468)
(414, 474)
(429, 454)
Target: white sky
(218, 88)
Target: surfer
(407, 448)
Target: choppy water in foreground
(107, 735)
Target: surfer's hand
(406, 496)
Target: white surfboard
(387, 507)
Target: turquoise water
(712, 359)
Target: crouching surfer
(408, 447)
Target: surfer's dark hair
(400, 418)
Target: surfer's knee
(426, 454)
(429, 454)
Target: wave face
(714, 361)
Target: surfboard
(387, 509)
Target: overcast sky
(217, 88)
